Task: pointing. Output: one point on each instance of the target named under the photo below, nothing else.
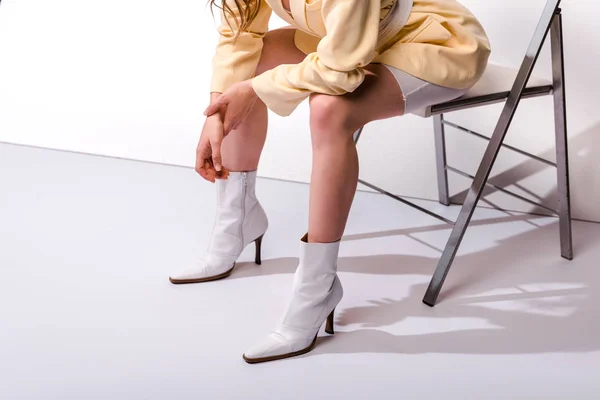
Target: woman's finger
(200, 168)
(203, 150)
(208, 170)
(215, 106)
(211, 174)
(223, 175)
(199, 161)
(202, 153)
(215, 146)
(203, 174)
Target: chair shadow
(393, 264)
(554, 320)
(583, 153)
(565, 319)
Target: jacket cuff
(275, 99)
(220, 81)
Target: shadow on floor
(563, 319)
(584, 173)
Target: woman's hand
(238, 101)
(208, 153)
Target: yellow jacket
(442, 43)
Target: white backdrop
(129, 78)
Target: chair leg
(440, 158)
(491, 153)
(562, 153)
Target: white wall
(129, 78)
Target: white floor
(87, 312)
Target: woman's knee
(331, 116)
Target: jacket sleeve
(336, 68)
(236, 61)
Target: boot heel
(329, 323)
(258, 243)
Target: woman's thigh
(386, 92)
(378, 97)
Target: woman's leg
(236, 227)
(333, 121)
(242, 148)
(317, 289)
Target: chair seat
(494, 86)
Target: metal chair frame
(551, 21)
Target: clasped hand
(225, 114)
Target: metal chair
(501, 84)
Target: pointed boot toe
(199, 273)
(316, 293)
(277, 347)
(240, 220)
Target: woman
(356, 61)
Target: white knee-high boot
(316, 292)
(240, 220)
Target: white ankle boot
(240, 220)
(316, 292)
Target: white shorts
(419, 94)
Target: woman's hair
(243, 15)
